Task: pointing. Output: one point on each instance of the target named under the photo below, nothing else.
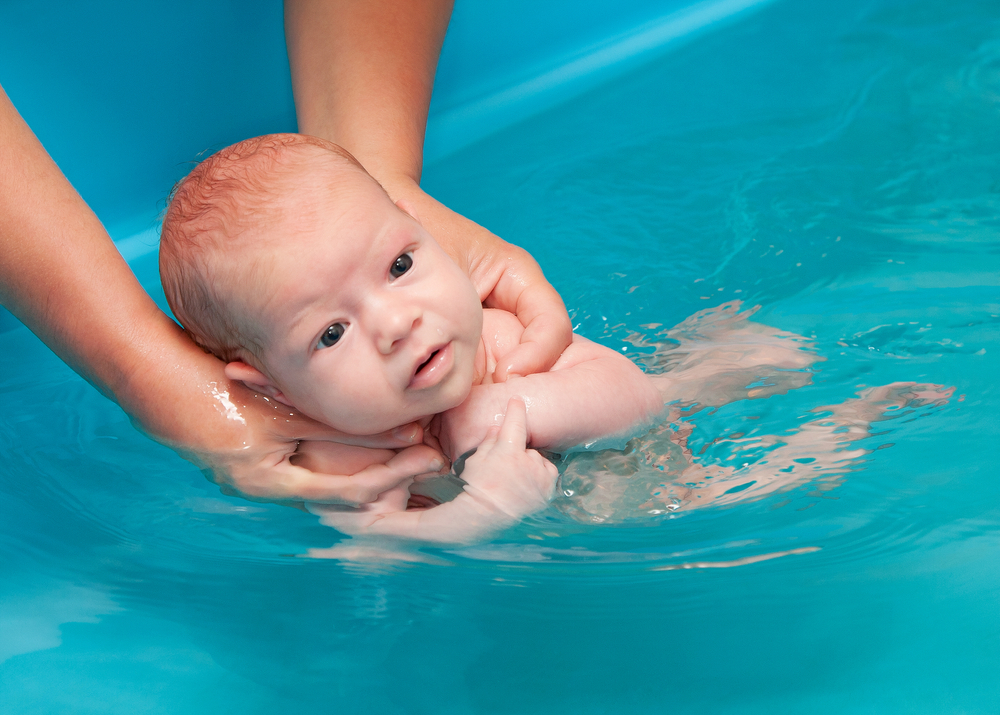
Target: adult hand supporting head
(51, 248)
(245, 439)
(363, 74)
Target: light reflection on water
(833, 163)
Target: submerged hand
(507, 476)
(507, 277)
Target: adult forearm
(363, 72)
(61, 274)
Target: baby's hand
(506, 477)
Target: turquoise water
(835, 163)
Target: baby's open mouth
(434, 369)
(426, 362)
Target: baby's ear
(239, 371)
(409, 208)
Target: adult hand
(362, 74)
(245, 441)
(504, 474)
(506, 276)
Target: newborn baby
(283, 257)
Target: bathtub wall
(126, 96)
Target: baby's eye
(401, 265)
(331, 335)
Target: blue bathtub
(832, 162)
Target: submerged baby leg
(821, 449)
(718, 356)
(659, 474)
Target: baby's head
(282, 256)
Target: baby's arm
(504, 482)
(591, 392)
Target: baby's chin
(362, 427)
(373, 418)
(361, 424)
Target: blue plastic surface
(833, 161)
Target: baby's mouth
(426, 362)
(434, 369)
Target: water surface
(834, 163)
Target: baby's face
(367, 323)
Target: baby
(282, 256)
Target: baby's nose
(396, 324)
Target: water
(834, 163)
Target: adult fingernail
(407, 433)
(435, 465)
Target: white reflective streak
(227, 406)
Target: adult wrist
(166, 388)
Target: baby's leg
(820, 449)
(720, 356)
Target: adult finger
(490, 439)
(288, 482)
(542, 342)
(416, 460)
(514, 430)
(523, 290)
